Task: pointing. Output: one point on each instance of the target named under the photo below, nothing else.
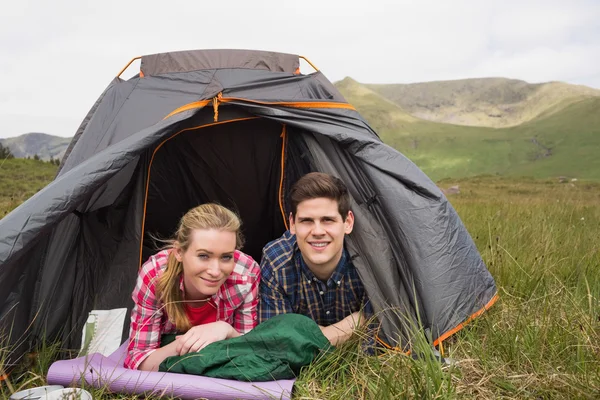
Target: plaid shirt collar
(336, 277)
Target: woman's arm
(245, 315)
(153, 360)
(195, 339)
(146, 317)
(200, 336)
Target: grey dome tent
(237, 127)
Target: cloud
(57, 57)
(570, 63)
(548, 23)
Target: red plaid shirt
(236, 303)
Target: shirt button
(327, 312)
(321, 293)
(339, 282)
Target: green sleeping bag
(275, 349)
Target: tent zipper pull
(216, 100)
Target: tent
(238, 127)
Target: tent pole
(306, 59)
(127, 66)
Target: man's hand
(341, 331)
(198, 337)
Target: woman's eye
(203, 256)
(227, 258)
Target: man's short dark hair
(317, 185)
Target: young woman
(202, 287)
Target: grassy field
(21, 179)
(541, 340)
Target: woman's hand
(198, 337)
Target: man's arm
(272, 300)
(341, 331)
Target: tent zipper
(216, 100)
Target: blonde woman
(202, 287)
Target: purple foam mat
(99, 371)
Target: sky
(56, 57)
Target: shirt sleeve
(272, 296)
(146, 317)
(245, 318)
(369, 343)
(367, 307)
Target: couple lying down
(202, 289)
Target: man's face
(320, 230)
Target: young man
(307, 270)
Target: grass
(541, 340)
(21, 179)
(539, 239)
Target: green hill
(573, 137)
(560, 141)
(492, 102)
(375, 106)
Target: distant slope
(373, 104)
(382, 114)
(492, 102)
(562, 141)
(567, 142)
(30, 144)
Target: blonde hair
(205, 216)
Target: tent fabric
(276, 349)
(185, 61)
(152, 147)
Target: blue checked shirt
(288, 286)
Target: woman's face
(207, 262)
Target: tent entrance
(237, 165)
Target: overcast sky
(56, 57)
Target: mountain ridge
(43, 145)
(492, 102)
